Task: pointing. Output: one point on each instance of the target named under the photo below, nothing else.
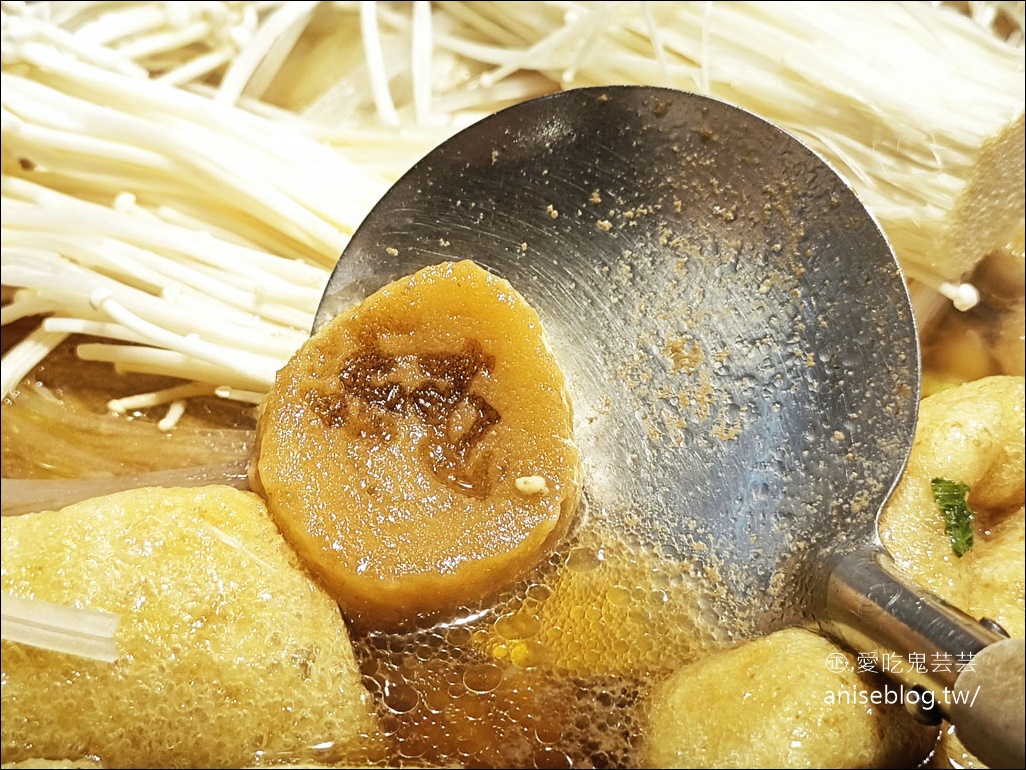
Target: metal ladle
(739, 347)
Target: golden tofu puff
(996, 566)
(972, 434)
(227, 652)
(778, 702)
(609, 612)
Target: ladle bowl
(737, 339)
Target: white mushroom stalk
(79, 631)
(132, 210)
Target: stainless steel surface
(733, 326)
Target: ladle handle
(876, 613)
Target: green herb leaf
(958, 516)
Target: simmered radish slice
(418, 451)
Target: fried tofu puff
(228, 652)
(974, 434)
(782, 700)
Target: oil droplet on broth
(399, 697)
(482, 677)
(554, 673)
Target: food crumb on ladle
(532, 485)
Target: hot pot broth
(487, 687)
(495, 685)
